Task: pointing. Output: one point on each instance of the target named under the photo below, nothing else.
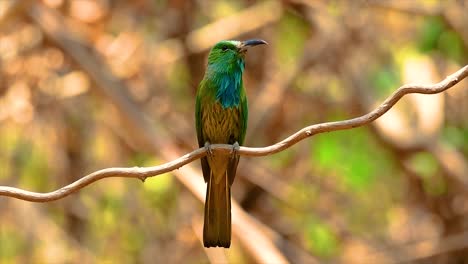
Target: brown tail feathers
(217, 226)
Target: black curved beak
(250, 43)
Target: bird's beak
(250, 43)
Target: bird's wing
(243, 117)
(201, 140)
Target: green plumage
(221, 117)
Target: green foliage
(179, 83)
(141, 160)
(456, 137)
(108, 210)
(426, 166)
(385, 79)
(290, 39)
(34, 168)
(430, 34)
(352, 157)
(11, 245)
(436, 36)
(160, 194)
(320, 239)
(282, 159)
(159, 190)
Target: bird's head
(228, 55)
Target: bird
(221, 114)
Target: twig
(143, 173)
(135, 172)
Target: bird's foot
(209, 151)
(235, 149)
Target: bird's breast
(221, 125)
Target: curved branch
(135, 172)
(143, 173)
(448, 82)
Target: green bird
(221, 118)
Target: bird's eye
(224, 48)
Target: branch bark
(143, 173)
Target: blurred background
(86, 85)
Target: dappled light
(87, 85)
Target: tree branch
(143, 173)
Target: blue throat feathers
(229, 85)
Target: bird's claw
(209, 151)
(235, 149)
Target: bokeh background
(86, 85)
